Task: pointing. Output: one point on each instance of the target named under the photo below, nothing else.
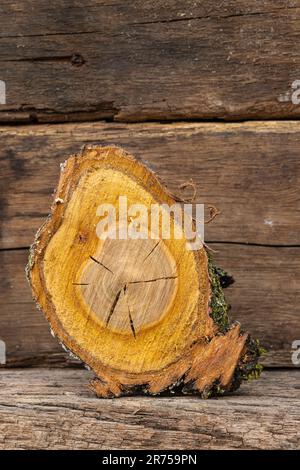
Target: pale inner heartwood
(130, 284)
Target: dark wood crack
(153, 280)
(101, 264)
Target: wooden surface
(53, 409)
(250, 171)
(256, 298)
(138, 61)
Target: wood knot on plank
(77, 60)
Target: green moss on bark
(218, 304)
(248, 367)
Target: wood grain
(138, 61)
(265, 299)
(53, 409)
(141, 316)
(250, 171)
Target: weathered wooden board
(143, 61)
(22, 327)
(250, 171)
(265, 298)
(42, 409)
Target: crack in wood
(153, 280)
(101, 264)
(208, 242)
(214, 17)
(131, 322)
(113, 307)
(151, 251)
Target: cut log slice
(146, 313)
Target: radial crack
(153, 280)
(150, 252)
(131, 322)
(101, 264)
(113, 307)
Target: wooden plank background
(251, 171)
(260, 299)
(137, 61)
(131, 62)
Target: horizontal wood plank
(250, 171)
(137, 61)
(43, 409)
(265, 298)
